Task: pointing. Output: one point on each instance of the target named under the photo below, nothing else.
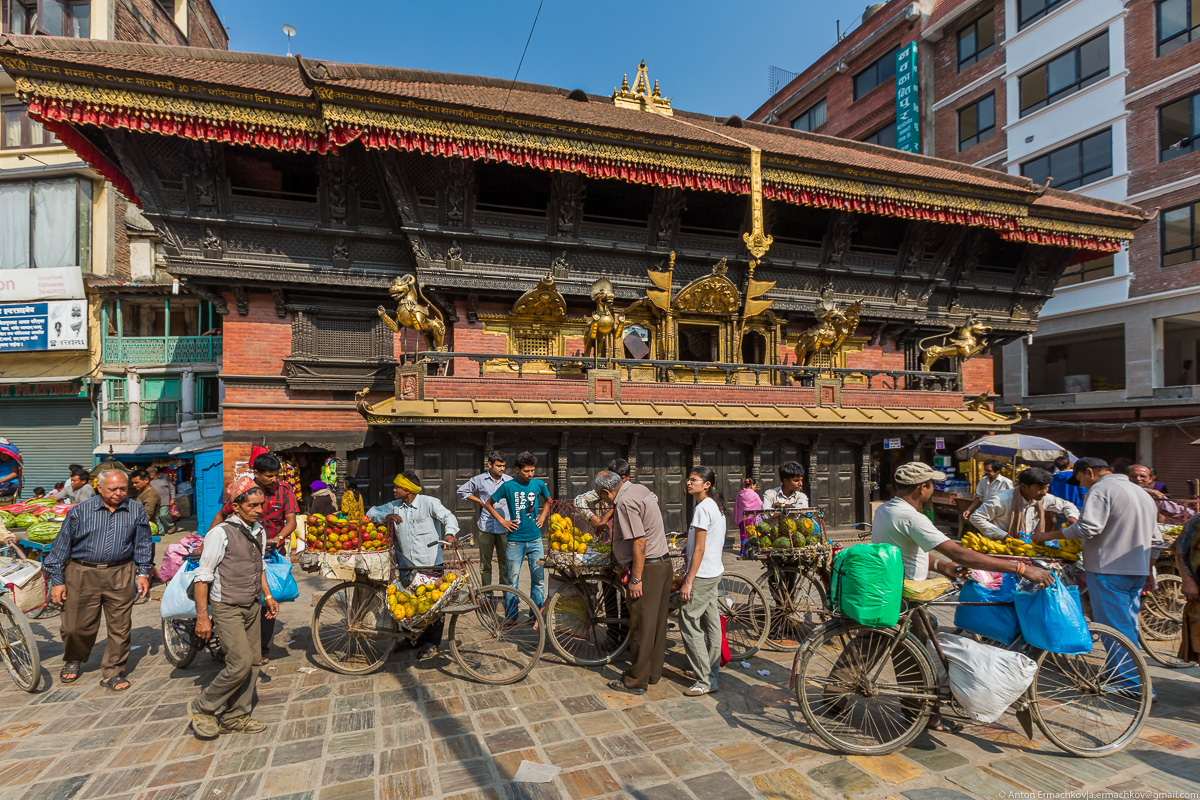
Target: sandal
(943, 725)
(117, 683)
(70, 672)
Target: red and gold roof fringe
(93, 157)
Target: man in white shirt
(987, 487)
(789, 494)
(1023, 509)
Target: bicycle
(18, 648)
(496, 634)
(871, 691)
(181, 644)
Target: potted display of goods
(337, 534)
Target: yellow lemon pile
(566, 537)
(407, 604)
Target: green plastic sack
(867, 582)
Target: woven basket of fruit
(419, 603)
(337, 547)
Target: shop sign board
(908, 109)
(56, 325)
(73, 388)
(891, 444)
(939, 443)
(30, 285)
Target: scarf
(1014, 524)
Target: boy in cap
(231, 585)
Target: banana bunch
(1009, 547)
(1067, 549)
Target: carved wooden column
(631, 455)
(696, 449)
(489, 444)
(756, 456)
(864, 469)
(409, 451)
(560, 489)
(340, 456)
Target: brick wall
(1146, 171)
(255, 344)
(1141, 50)
(1148, 276)
(947, 80)
(204, 26)
(146, 21)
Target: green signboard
(64, 388)
(908, 107)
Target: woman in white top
(700, 619)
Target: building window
(1180, 237)
(977, 122)
(1181, 350)
(812, 119)
(1030, 10)
(1077, 164)
(50, 17)
(21, 131)
(208, 394)
(883, 69)
(1178, 23)
(1179, 128)
(1065, 74)
(46, 224)
(885, 136)
(116, 402)
(1093, 270)
(1081, 361)
(977, 41)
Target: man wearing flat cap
(414, 519)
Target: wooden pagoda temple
(418, 267)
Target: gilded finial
(657, 93)
(625, 82)
(641, 97)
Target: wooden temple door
(583, 462)
(834, 486)
(443, 469)
(662, 468)
(731, 461)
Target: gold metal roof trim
(394, 411)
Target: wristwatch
(634, 581)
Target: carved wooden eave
(713, 294)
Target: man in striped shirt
(100, 561)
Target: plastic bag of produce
(998, 622)
(867, 582)
(985, 680)
(1052, 618)
(279, 577)
(175, 599)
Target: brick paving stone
(293, 796)
(488, 793)
(181, 792)
(584, 704)
(583, 784)
(101, 739)
(313, 708)
(508, 739)
(291, 779)
(464, 776)
(747, 757)
(406, 785)
(599, 724)
(660, 737)
(523, 695)
(1166, 740)
(108, 783)
(493, 699)
(1088, 770)
(346, 743)
(157, 731)
(234, 787)
(1034, 774)
(621, 745)
(457, 748)
(843, 777)
(571, 754)
(935, 793)
(181, 771)
(786, 784)
(402, 759)
(354, 721)
(352, 768)
(63, 789)
(535, 791)
(985, 783)
(451, 726)
(135, 754)
(169, 711)
(364, 789)
(242, 761)
(934, 757)
(539, 712)
(638, 772)
(555, 731)
(688, 760)
(296, 752)
(508, 763)
(302, 729)
(498, 718)
(642, 716)
(446, 707)
(717, 784)
(891, 768)
(78, 762)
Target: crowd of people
(100, 563)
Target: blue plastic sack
(998, 623)
(279, 578)
(175, 600)
(1052, 618)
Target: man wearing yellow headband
(415, 519)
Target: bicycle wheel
(1160, 622)
(864, 691)
(1092, 704)
(499, 637)
(797, 606)
(179, 641)
(746, 613)
(18, 648)
(353, 629)
(588, 621)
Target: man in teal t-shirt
(524, 496)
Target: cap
(915, 472)
(241, 484)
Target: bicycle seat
(925, 591)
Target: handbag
(173, 513)
(726, 654)
(279, 577)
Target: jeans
(1116, 600)
(515, 553)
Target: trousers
(648, 627)
(233, 688)
(91, 591)
(700, 624)
(489, 543)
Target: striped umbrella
(1014, 445)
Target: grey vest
(241, 568)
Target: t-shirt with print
(524, 501)
(708, 517)
(897, 522)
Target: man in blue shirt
(524, 495)
(100, 562)
(492, 535)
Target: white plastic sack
(985, 680)
(175, 601)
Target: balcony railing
(161, 349)
(634, 370)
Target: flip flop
(943, 725)
(70, 672)
(117, 683)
